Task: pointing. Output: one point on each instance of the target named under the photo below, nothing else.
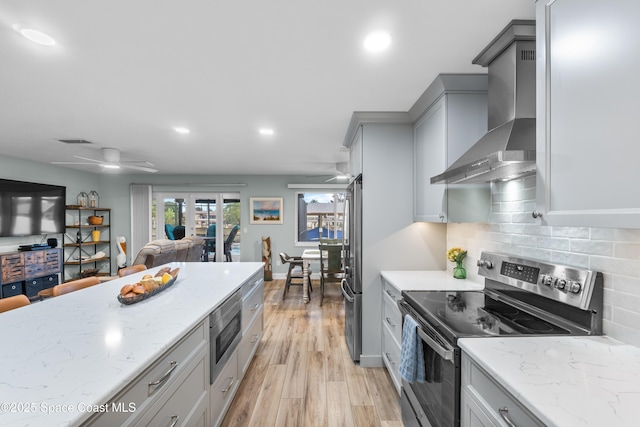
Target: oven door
(436, 401)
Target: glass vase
(459, 271)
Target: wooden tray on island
(148, 294)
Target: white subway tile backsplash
(614, 252)
(598, 247)
(554, 243)
(627, 250)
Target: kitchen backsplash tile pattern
(615, 252)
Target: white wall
(613, 251)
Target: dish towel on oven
(411, 359)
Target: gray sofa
(162, 251)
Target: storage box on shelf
(391, 331)
(84, 256)
(29, 272)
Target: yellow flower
(456, 254)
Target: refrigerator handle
(348, 297)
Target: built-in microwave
(225, 332)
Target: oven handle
(348, 297)
(443, 352)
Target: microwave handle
(443, 352)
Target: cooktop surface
(476, 313)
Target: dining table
(308, 256)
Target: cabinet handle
(175, 419)
(232, 380)
(388, 319)
(173, 364)
(255, 307)
(536, 214)
(255, 339)
(393, 296)
(504, 413)
(389, 358)
(441, 216)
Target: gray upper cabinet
(588, 104)
(450, 116)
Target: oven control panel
(570, 285)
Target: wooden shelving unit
(80, 249)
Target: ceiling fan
(111, 160)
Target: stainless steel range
(521, 297)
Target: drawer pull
(175, 419)
(504, 413)
(255, 339)
(390, 294)
(255, 307)
(173, 364)
(232, 380)
(388, 319)
(389, 358)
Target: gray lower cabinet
(391, 332)
(174, 389)
(484, 402)
(226, 385)
(587, 104)
(451, 117)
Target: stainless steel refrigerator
(352, 284)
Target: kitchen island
(561, 381)
(62, 359)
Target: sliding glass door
(212, 216)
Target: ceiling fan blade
(87, 158)
(73, 163)
(140, 168)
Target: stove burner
(536, 325)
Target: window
(319, 215)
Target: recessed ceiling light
(110, 166)
(266, 131)
(181, 130)
(38, 37)
(377, 41)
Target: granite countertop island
(63, 355)
(428, 281)
(565, 381)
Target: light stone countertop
(437, 280)
(82, 348)
(566, 381)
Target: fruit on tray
(149, 283)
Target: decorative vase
(95, 235)
(121, 258)
(458, 271)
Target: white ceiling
(123, 73)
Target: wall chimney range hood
(508, 150)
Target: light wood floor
(302, 374)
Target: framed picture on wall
(265, 210)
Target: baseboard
(374, 361)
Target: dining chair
(331, 269)
(229, 242)
(75, 285)
(295, 272)
(210, 243)
(131, 270)
(16, 301)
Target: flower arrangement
(457, 255)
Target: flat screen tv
(28, 208)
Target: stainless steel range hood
(508, 150)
